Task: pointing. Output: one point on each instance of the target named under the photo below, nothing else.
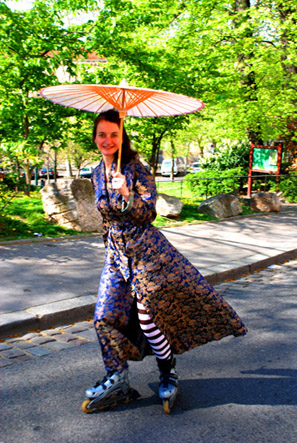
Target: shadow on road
(208, 393)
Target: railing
(261, 182)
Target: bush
(210, 182)
(288, 188)
(228, 155)
(5, 195)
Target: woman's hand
(119, 183)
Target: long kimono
(141, 263)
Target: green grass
(189, 214)
(176, 189)
(24, 216)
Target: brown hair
(113, 116)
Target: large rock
(168, 206)
(265, 202)
(70, 203)
(221, 206)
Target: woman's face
(107, 138)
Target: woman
(177, 308)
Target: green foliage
(288, 188)
(238, 57)
(228, 156)
(5, 195)
(33, 45)
(210, 183)
(9, 187)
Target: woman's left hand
(119, 183)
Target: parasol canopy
(128, 100)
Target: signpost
(265, 159)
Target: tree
(80, 147)
(33, 45)
(237, 50)
(132, 36)
(238, 57)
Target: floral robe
(141, 262)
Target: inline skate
(112, 391)
(168, 386)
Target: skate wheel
(166, 407)
(84, 406)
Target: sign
(265, 160)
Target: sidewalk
(48, 282)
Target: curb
(80, 308)
(47, 316)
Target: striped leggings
(158, 342)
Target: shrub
(228, 155)
(210, 182)
(5, 195)
(288, 188)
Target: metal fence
(260, 182)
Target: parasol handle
(122, 117)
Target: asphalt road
(236, 390)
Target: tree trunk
(68, 168)
(155, 155)
(172, 159)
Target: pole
(122, 116)
(249, 191)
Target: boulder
(221, 206)
(265, 202)
(168, 206)
(70, 203)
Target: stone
(221, 206)
(4, 346)
(12, 353)
(70, 203)
(66, 337)
(56, 346)
(265, 202)
(168, 206)
(41, 340)
(76, 329)
(88, 335)
(38, 351)
(23, 345)
(4, 362)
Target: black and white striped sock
(156, 339)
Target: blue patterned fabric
(139, 259)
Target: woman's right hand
(119, 183)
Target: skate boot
(113, 390)
(168, 383)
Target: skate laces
(104, 380)
(169, 379)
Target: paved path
(45, 282)
(235, 390)
(15, 350)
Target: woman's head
(113, 118)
